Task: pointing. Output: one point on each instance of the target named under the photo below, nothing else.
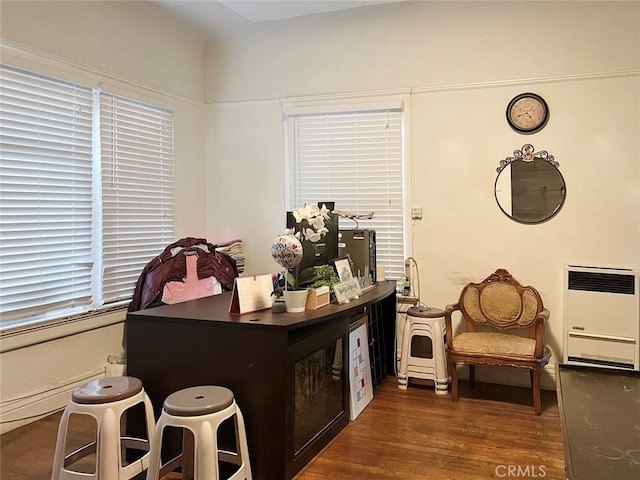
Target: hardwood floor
(417, 435)
(408, 435)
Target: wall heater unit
(601, 317)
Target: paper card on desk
(251, 293)
(347, 290)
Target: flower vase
(295, 300)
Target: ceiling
(264, 10)
(225, 15)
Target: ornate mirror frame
(529, 187)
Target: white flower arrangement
(287, 250)
(315, 217)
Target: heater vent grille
(602, 317)
(602, 282)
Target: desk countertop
(216, 309)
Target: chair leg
(472, 374)
(454, 380)
(536, 375)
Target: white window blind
(86, 195)
(45, 194)
(354, 159)
(137, 190)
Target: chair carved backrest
(500, 302)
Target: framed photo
(343, 267)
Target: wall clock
(527, 113)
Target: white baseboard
(35, 405)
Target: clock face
(527, 113)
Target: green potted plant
(320, 290)
(325, 276)
(301, 280)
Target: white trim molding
(33, 334)
(21, 411)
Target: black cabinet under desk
(279, 367)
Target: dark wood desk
(255, 355)
(600, 415)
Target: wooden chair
(489, 310)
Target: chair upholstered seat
(494, 344)
(492, 312)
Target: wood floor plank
(410, 434)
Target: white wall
(137, 50)
(422, 44)
(133, 39)
(245, 178)
(463, 62)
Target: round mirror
(530, 191)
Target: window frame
(357, 104)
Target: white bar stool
(106, 400)
(202, 410)
(424, 324)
